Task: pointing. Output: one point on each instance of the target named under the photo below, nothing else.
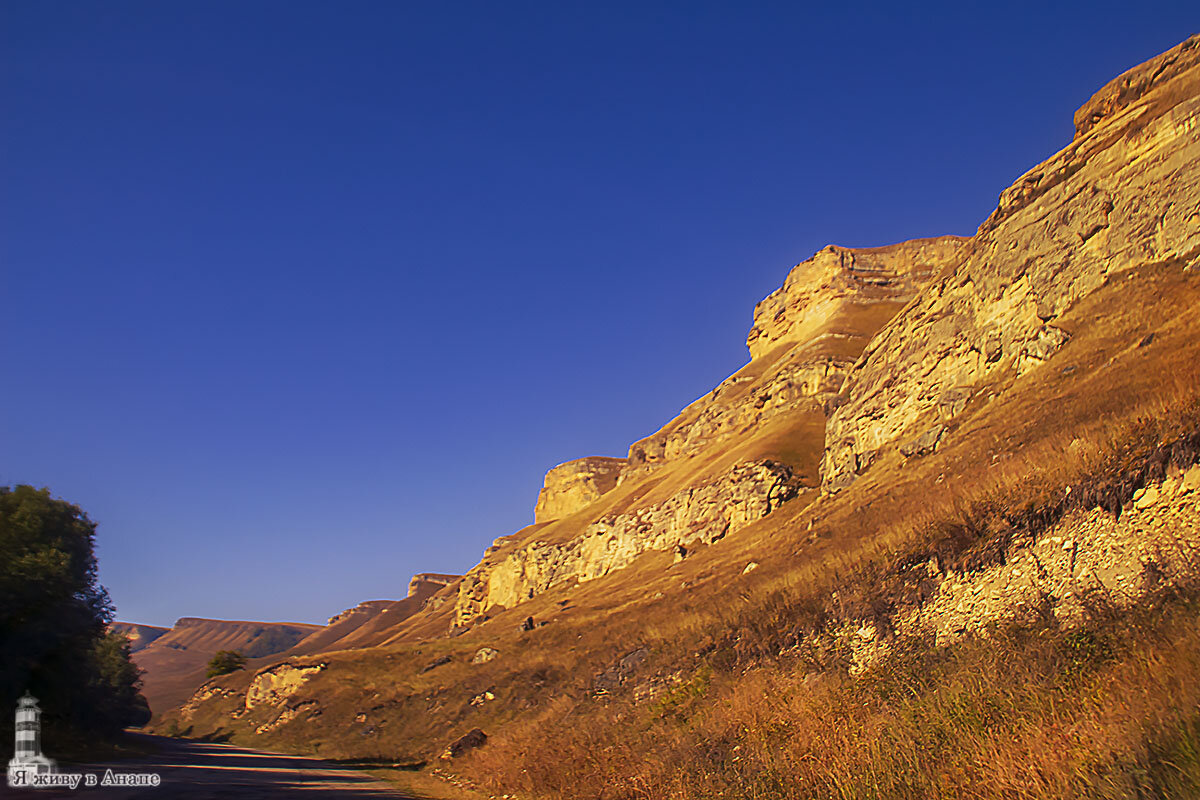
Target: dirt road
(200, 771)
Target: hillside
(174, 661)
(940, 537)
(139, 636)
(370, 623)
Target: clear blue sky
(302, 298)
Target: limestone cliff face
(704, 513)
(891, 343)
(738, 404)
(279, 682)
(806, 337)
(426, 584)
(1122, 194)
(575, 485)
(840, 279)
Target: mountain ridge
(935, 442)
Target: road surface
(204, 771)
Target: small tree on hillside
(225, 662)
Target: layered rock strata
(806, 337)
(575, 485)
(739, 404)
(1089, 558)
(699, 514)
(805, 340)
(1124, 193)
(841, 280)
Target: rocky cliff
(843, 282)
(805, 339)
(1124, 194)
(575, 485)
(1026, 464)
(699, 514)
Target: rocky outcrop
(420, 588)
(1089, 555)
(1131, 85)
(841, 280)
(425, 584)
(805, 340)
(1125, 193)
(271, 688)
(372, 621)
(699, 514)
(289, 713)
(1089, 559)
(274, 685)
(468, 741)
(362, 612)
(739, 404)
(202, 695)
(484, 655)
(575, 485)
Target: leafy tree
(225, 662)
(53, 622)
(116, 681)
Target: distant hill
(175, 659)
(372, 622)
(139, 635)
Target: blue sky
(302, 298)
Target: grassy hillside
(1009, 611)
(174, 662)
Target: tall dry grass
(763, 706)
(1029, 713)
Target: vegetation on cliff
(225, 662)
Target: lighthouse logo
(29, 769)
(28, 762)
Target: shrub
(225, 662)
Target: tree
(117, 680)
(225, 662)
(53, 622)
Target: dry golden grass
(754, 712)
(1110, 712)
(1027, 713)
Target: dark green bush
(225, 662)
